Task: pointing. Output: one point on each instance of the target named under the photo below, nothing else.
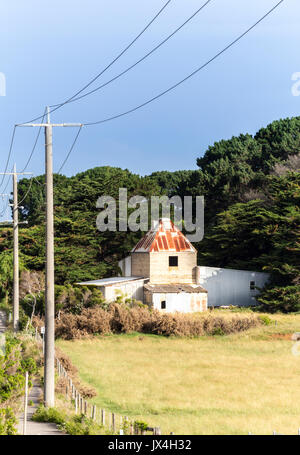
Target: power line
(187, 77)
(34, 145)
(5, 207)
(109, 65)
(4, 189)
(175, 85)
(141, 59)
(70, 151)
(27, 192)
(9, 153)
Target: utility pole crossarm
(16, 173)
(51, 124)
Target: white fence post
(25, 404)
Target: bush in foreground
(70, 424)
(121, 319)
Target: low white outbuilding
(176, 297)
(128, 287)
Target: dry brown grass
(235, 384)
(121, 319)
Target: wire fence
(117, 424)
(275, 433)
(114, 423)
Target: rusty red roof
(165, 236)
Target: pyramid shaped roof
(164, 236)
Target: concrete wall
(161, 273)
(140, 264)
(131, 289)
(231, 287)
(183, 302)
(125, 266)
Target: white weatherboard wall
(130, 289)
(182, 302)
(231, 287)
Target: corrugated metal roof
(164, 237)
(174, 288)
(111, 281)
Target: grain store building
(161, 271)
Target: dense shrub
(121, 319)
(43, 414)
(91, 320)
(285, 299)
(7, 422)
(82, 425)
(20, 355)
(73, 425)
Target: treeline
(251, 189)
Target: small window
(252, 285)
(173, 261)
(163, 304)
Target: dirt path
(37, 428)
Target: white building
(161, 272)
(231, 287)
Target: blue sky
(49, 50)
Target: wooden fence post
(113, 422)
(158, 432)
(103, 417)
(94, 412)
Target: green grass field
(247, 382)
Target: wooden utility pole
(15, 253)
(49, 367)
(15, 244)
(49, 291)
